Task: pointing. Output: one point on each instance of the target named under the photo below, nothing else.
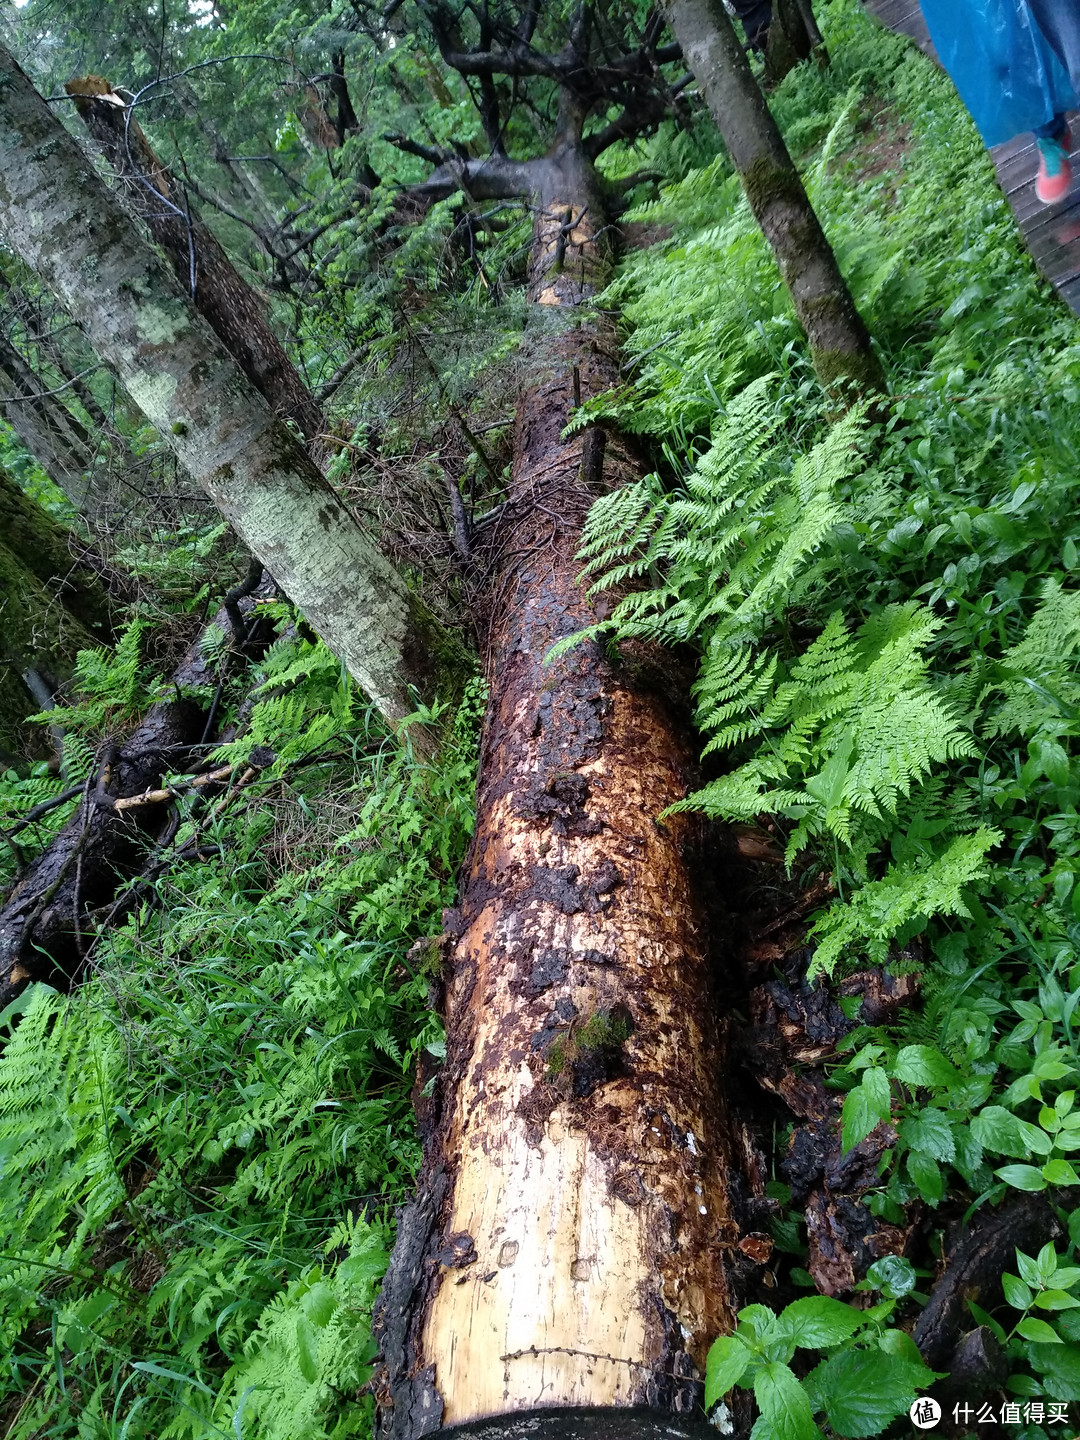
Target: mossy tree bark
(567, 1244)
(221, 294)
(51, 607)
(68, 227)
(839, 342)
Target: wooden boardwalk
(1051, 232)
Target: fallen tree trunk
(566, 1247)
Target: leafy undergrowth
(201, 1148)
(889, 624)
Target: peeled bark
(64, 222)
(221, 294)
(839, 343)
(566, 1245)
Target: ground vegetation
(203, 1143)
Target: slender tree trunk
(51, 606)
(37, 329)
(566, 1245)
(221, 295)
(56, 439)
(64, 222)
(839, 343)
(790, 41)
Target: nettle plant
(868, 1375)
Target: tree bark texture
(51, 606)
(839, 342)
(65, 223)
(566, 1244)
(56, 439)
(44, 930)
(225, 299)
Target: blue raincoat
(1006, 73)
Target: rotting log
(566, 1246)
(221, 294)
(43, 924)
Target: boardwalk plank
(1052, 235)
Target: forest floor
(202, 1146)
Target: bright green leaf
(784, 1404)
(725, 1365)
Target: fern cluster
(200, 1150)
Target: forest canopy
(538, 821)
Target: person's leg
(1054, 175)
(756, 16)
(1059, 21)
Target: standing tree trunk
(221, 294)
(567, 1242)
(57, 441)
(839, 342)
(65, 223)
(51, 607)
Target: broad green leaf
(923, 1065)
(307, 1349)
(818, 1322)
(1030, 1269)
(725, 1365)
(319, 1304)
(929, 1132)
(926, 1173)
(998, 1129)
(1056, 1300)
(1017, 1294)
(1022, 1177)
(784, 1405)
(866, 1390)
(900, 1345)
(1046, 1260)
(1060, 1172)
(864, 1106)
(1059, 1366)
(1032, 1329)
(893, 1276)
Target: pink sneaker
(1055, 174)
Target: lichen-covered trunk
(566, 1246)
(221, 294)
(60, 217)
(839, 343)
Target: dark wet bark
(569, 1234)
(51, 606)
(790, 41)
(839, 342)
(45, 929)
(224, 298)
